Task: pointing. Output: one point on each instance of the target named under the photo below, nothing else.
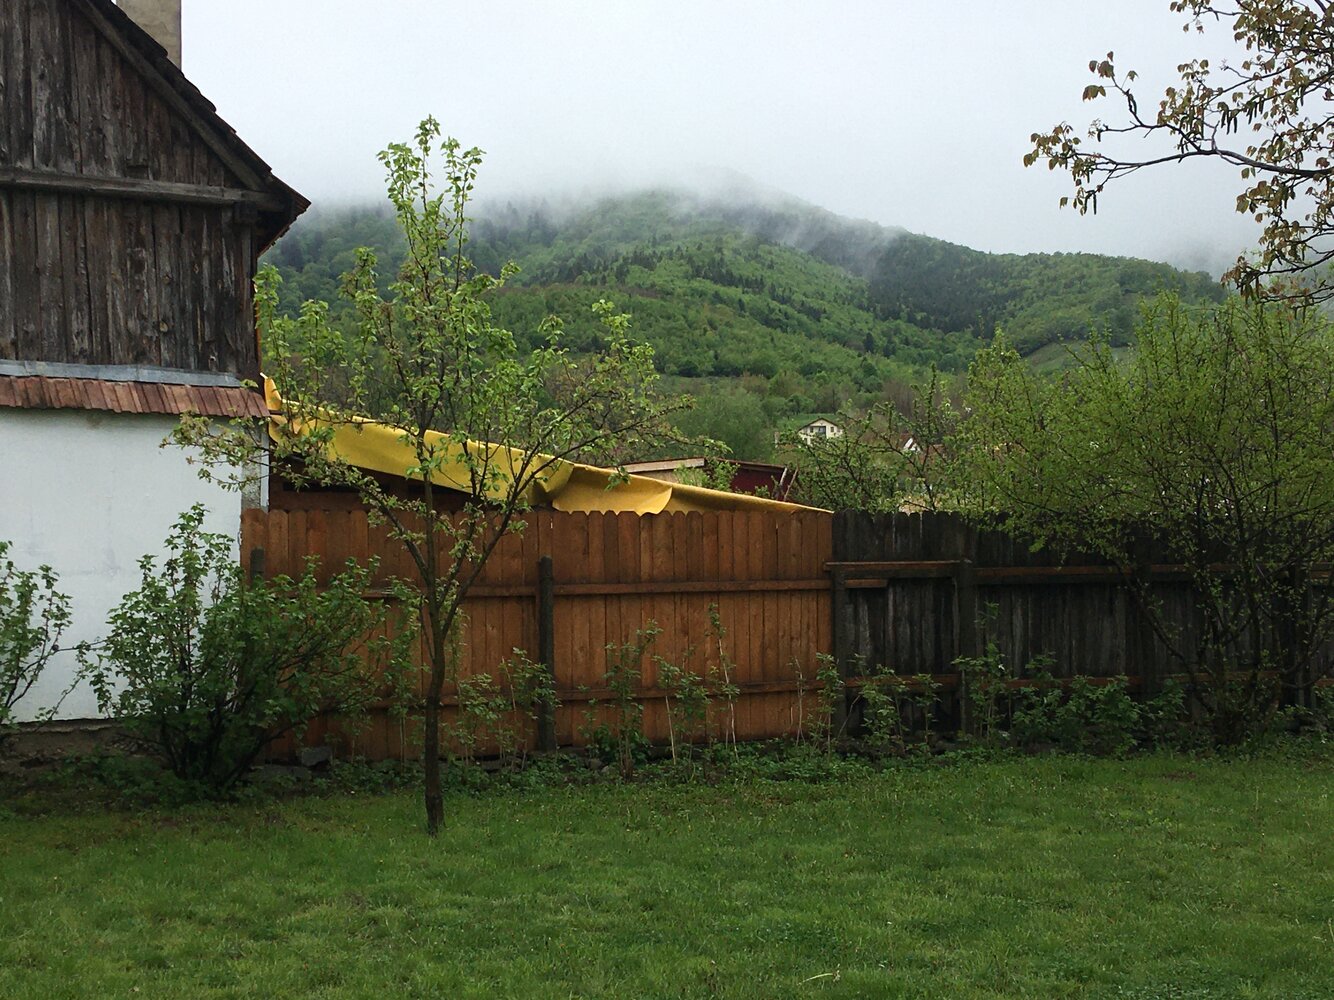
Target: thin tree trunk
(435, 803)
(434, 798)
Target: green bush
(495, 710)
(622, 739)
(33, 616)
(897, 710)
(207, 668)
(1079, 717)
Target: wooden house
(131, 219)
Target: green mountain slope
(803, 308)
(733, 284)
(1037, 299)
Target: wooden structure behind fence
(612, 574)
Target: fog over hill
(742, 265)
(755, 296)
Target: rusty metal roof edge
(40, 392)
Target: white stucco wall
(89, 494)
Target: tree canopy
(1211, 444)
(1266, 115)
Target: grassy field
(1157, 877)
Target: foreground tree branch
(1269, 116)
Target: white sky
(909, 114)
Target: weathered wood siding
(94, 275)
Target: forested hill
(761, 285)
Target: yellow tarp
(566, 486)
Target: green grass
(1155, 877)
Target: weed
(722, 675)
(494, 711)
(985, 681)
(831, 692)
(623, 738)
(686, 697)
(897, 711)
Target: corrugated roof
(37, 392)
(565, 486)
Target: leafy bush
(985, 681)
(33, 616)
(686, 696)
(1205, 447)
(492, 708)
(1080, 717)
(830, 691)
(897, 711)
(208, 668)
(622, 740)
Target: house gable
(131, 215)
(91, 102)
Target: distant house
(131, 219)
(817, 429)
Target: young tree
(485, 424)
(1268, 116)
(1210, 448)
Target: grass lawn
(1156, 877)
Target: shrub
(33, 616)
(985, 681)
(892, 705)
(493, 709)
(686, 697)
(622, 740)
(1080, 717)
(208, 668)
(831, 693)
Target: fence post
(965, 630)
(1146, 651)
(546, 651)
(839, 598)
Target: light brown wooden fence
(612, 573)
(907, 593)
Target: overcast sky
(909, 114)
